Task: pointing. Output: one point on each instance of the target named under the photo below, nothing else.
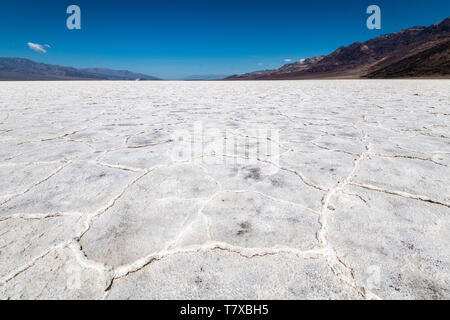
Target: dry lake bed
(225, 190)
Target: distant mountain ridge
(119, 74)
(19, 69)
(204, 77)
(413, 52)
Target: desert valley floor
(225, 190)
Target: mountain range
(417, 52)
(411, 53)
(19, 69)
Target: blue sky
(173, 38)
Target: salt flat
(223, 190)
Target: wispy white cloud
(287, 60)
(38, 47)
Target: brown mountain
(414, 52)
